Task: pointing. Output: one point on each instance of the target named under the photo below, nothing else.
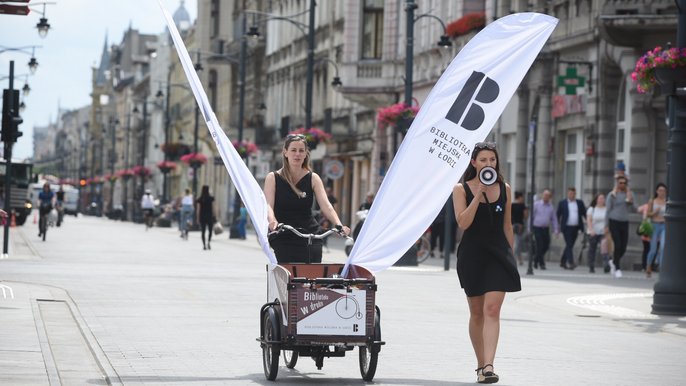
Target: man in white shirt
(148, 206)
(572, 215)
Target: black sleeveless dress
(297, 212)
(485, 261)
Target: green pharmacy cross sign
(570, 81)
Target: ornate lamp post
(670, 290)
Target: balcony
(371, 83)
(630, 22)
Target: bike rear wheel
(423, 249)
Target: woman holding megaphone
(485, 261)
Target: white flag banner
(248, 188)
(460, 111)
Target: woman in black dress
(290, 193)
(205, 215)
(485, 263)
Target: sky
(72, 47)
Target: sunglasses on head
(295, 136)
(485, 145)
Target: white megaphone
(488, 176)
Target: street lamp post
(33, 63)
(310, 53)
(125, 204)
(443, 42)
(9, 131)
(670, 290)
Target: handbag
(645, 228)
(218, 228)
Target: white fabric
(187, 200)
(437, 149)
(597, 216)
(248, 188)
(147, 202)
(573, 208)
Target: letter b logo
(475, 115)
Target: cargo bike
(314, 312)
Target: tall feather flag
(248, 188)
(460, 111)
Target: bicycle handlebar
(281, 227)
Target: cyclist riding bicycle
(46, 201)
(59, 205)
(147, 205)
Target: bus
(19, 188)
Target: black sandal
(489, 376)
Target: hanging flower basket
(141, 171)
(166, 166)
(95, 180)
(245, 148)
(667, 67)
(125, 174)
(399, 115)
(466, 24)
(313, 136)
(194, 160)
(110, 177)
(174, 150)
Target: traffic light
(10, 116)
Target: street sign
(334, 169)
(570, 81)
(8, 9)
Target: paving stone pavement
(153, 309)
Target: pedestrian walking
(485, 260)
(520, 213)
(205, 215)
(656, 213)
(242, 222)
(186, 219)
(595, 221)
(543, 218)
(438, 232)
(290, 193)
(367, 204)
(620, 201)
(572, 214)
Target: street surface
(103, 301)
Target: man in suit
(572, 215)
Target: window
(372, 29)
(574, 160)
(213, 88)
(623, 139)
(215, 16)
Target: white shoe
(618, 273)
(612, 267)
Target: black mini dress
(485, 261)
(295, 211)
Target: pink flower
(194, 159)
(390, 115)
(644, 72)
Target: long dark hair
(658, 186)
(594, 202)
(204, 193)
(470, 173)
